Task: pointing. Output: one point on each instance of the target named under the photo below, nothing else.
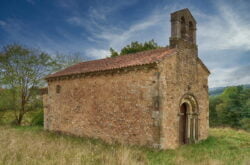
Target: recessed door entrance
(183, 124)
(189, 123)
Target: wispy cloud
(226, 29)
(19, 32)
(223, 38)
(117, 36)
(2, 23)
(31, 1)
(139, 31)
(230, 76)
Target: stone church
(157, 98)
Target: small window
(58, 89)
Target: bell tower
(183, 29)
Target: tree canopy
(135, 47)
(231, 108)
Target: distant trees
(135, 47)
(231, 108)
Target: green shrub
(245, 123)
(1, 116)
(37, 120)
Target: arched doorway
(183, 124)
(188, 120)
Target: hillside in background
(219, 90)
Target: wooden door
(183, 126)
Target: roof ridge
(128, 60)
(120, 56)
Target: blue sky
(91, 27)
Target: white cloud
(229, 76)
(139, 31)
(151, 27)
(97, 53)
(227, 30)
(104, 34)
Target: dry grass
(32, 145)
(19, 146)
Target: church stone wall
(181, 74)
(116, 107)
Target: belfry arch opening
(188, 120)
(191, 31)
(183, 28)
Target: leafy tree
(135, 47)
(21, 71)
(231, 108)
(213, 115)
(113, 52)
(5, 99)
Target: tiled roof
(141, 58)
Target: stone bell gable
(157, 98)
(183, 29)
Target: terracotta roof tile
(141, 58)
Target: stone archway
(188, 120)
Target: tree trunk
(22, 110)
(20, 118)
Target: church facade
(157, 98)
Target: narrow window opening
(191, 31)
(58, 89)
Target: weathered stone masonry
(114, 107)
(157, 98)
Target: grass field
(32, 145)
